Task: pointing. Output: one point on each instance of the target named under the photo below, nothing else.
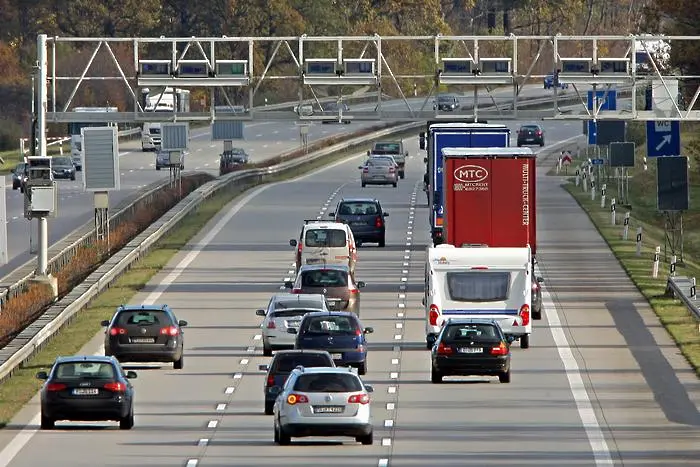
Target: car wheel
(402, 175)
(537, 315)
(276, 434)
(364, 184)
(428, 345)
(179, 364)
(72, 178)
(541, 143)
(267, 351)
(269, 407)
(382, 242)
(157, 167)
(127, 423)
(362, 369)
(504, 377)
(366, 440)
(525, 341)
(21, 189)
(47, 423)
(283, 438)
(143, 148)
(394, 184)
(435, 376)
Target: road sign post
(663, 138)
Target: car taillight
(299, 248)
(358, 332)
(359, 399)
(365, 170)
(115, 387)
(271, 325)
(502, 349)
(538, 133)
(525, 314)
(535, 286)
(444, 349)
(270, 381)
(293, 399)
(378, 222)
(117, 331)
(353, 290)
(392, 170)
(434, 313)
(170, 331)
(296, 290)
(53, 387)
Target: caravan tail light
(525, 314)
(433, 316)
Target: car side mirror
(288, 285)
(182, 323)
(292, 242)
(275, 390)
(360, 284)
(360, 167)
(510, 339)
(369, 153)
(540, 280)
(386, 214)
(264, 368)
(331, 214)
(104, 323)
(369, 330)
(369, 388)
(42, 375)
(291, 330)
(425, 159)
(260, 312)
(131, 375)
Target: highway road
(261, 139)
(601, 385)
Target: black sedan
(471, 346)
(365, 217)
(87, 388)
(19, 177)
(141, 333)
(530, 135)
(63, 167)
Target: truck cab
(479, 282)
(392, 148)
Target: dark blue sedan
(340, 333)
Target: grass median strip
(674, 316)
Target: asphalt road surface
(601, 385)
(262, 140)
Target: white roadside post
(612, 212)
(578, 178)
(655, 268)
(603, 191)
(693, 290)
(639, 241)
(626, 226)
(585, 181)
(592, 188)
(674, 260)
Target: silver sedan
(379, 171)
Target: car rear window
(379, 162)
(324, 278)
(143, 318)
(328, 382)
(331, 325)
(530, 128)
(328, 238)
(84, 369)
(386, 148)
(290, 313)
(478, 286)
(298, 303)
(471, 332)
(286, 363)
(358, 208)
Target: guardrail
(683, 288)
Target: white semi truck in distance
(167, 100)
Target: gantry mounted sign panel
(372, 62)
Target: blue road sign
(609, 103)
(663, 138)
(597, 161)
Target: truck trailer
(453, 134)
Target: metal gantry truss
(389, 64)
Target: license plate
(313, 261)
(336, 356)
(143, 340)
(328, 409)
(357, 223)
(85, 392)
(471, 350)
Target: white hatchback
(285, 311)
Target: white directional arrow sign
(666, 139)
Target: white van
(325, 242)
(479, 282)
(150, 136)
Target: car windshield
(297, 303)
(143, 318)
(328, 382)
(471, 332)
(358, 208)
(478, 286)
(325, 238)
(62, 161)
(342, 325)
(446, 99)
(286, 363)
(84, 370)
(324, 278)
(294, 312)
(154, 131)
(386, 148)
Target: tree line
(23, 20)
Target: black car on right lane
(365, 217)
(471, 346)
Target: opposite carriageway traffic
(639, 392)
